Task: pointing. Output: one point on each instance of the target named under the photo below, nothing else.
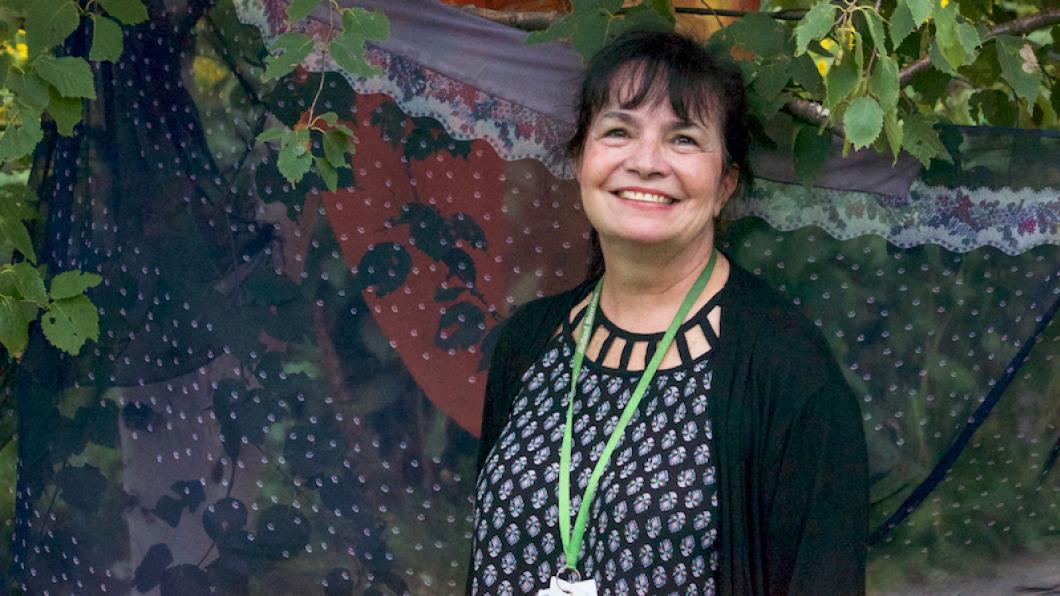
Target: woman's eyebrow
(687, 124)
(617, 115)
(675, 125)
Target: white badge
(562, 587)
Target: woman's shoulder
(756, 310)
(753, 296)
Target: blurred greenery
(908, 325)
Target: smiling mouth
(644, 197)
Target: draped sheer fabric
(288, 383)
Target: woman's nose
(647, 158)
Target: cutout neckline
(630, 342)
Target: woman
(716, 450)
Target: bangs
(652, 82)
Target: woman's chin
(641, 238)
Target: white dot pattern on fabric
(652, 525)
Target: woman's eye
(685, 140)
(616, 133)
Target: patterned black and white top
(652, 526)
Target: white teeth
(644, 197)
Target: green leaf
(883, 83)
(651, 14)
(327, 172)
(66, 111)
(586, 26)
(954, 42)
(20, 140)
(107, 40)
(294, 161)
(815, 25)
(766, 91)
(892, 129)
(272, 134)
(810, 151)
(331, 118)
(369, 24)
(920, 10)
(995, 106)
(336, 144)
(16, 206)
(5, 68)
(939, 61)
(984, 72)
(14, 327)
(29, 89)
(805, 73)
(970, 40)
(358, 26)
(293, 48)
(840, 81)
(18, 201)
(931, 84)
(859, 50)
(876, 30)
(1019, 67)
(72, 283)
(129, 12)
(299, 9)
(761, 35)
(350, 58)
(863, 122)
(13, 230)
(70, 322)
(48, 23)
(24, 282)
(921, 140)
(71, 76)
(557, 31)
(901, 24)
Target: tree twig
(813, 112)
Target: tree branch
(524, 20)
(1026, 24)
(791, 14)
(538, 21)
(813, 112)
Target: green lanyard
(572, 540)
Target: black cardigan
(788, 441)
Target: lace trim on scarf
(959, 219)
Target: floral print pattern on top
(652, 525)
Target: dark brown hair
(699, 84)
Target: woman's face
(649, 178)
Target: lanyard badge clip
(571, 585)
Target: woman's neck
(644, 286)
